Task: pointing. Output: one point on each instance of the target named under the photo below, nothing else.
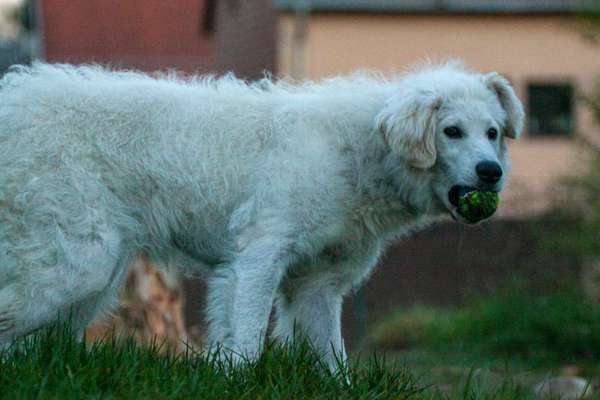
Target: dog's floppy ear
(408, 126)
(509, 101)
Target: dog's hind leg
(10, 305)
(85, 312)
(56, 263)
(67, 281)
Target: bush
(413, 327)
(558, 326)
(575, 214)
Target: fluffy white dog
(287, 194)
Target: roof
(438, 6)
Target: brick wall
(142, 34)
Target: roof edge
(437, 6)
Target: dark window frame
(558, 119)
(208, 17)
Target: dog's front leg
(314, 311)
(258, 269)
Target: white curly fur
(286, 193)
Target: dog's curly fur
(286, 193)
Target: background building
(244, 34)
(19, 34)
(536, 44)
(142, 34)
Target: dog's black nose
(489, 171)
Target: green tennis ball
(476, 206)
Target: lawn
(52, 365)
(496, 347)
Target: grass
(556, 327)
(52, 365)
(503, 335)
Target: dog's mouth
(457, 191)
(471, 205)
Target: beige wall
(525, 48)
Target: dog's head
(450, 125)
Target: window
(550, 109)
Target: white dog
(287, 194)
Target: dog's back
(138, 138)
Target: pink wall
(525, 48)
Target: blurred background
(524, 287)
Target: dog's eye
(453, 132)
(492, 133)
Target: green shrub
(559, 326)
(562, 325)
(574, 214)
(412, 327)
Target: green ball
(476, 205)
